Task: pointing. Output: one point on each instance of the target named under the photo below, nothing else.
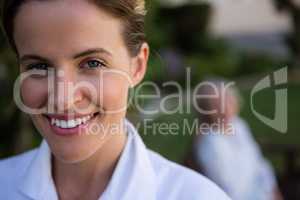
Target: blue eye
(38, 66)
(93, 64)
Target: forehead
(62, 27)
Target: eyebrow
(78, 55)
(92, 51)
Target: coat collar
(37, 182)
(133, 178)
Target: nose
(63, 96)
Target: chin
(74, 153)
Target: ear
(139, 64)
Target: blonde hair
(130, 12)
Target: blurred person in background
(226, 152)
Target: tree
(293, 9)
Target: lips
(69, 125)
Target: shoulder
(212, 144)
(17, 162)
(12, 169)
(240, 123)
(178, 182)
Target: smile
(72, 123)
(64, 124)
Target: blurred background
(243, 41)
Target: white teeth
(63, 124)
(78, 121)
(57, 122)
(72, 123)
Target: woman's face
(90, 73)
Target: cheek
(34, 93)
(113, 92)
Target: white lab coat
(140, 174)
(236, 163)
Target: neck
(89, 178)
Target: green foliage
(218, 59)
(256, 63)
(156, 33)
(292, 39)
